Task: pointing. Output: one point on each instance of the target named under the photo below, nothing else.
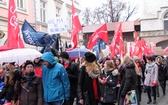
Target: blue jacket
(55, 80)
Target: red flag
(147, 50)
(76, 27)
(116, 39)
(131, 52)
(14, 39)
(165, 50)
(137, 48)
(99, 33)
(122, 49)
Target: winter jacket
(85, 89)
(72, 71)
(161, 72)
(108, 90)
(31, 96)
(151, 74)
(128, 81)
(55, 80)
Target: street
(162, 100)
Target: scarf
(26, 81)
(94, 74)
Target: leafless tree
(112, 11)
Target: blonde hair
(129, 59)
(160, 59)
(10, 68)
(91, 66)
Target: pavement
(162, 100)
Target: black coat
(73, 71)
(128, 82)
(108, 90)
(85, 89)
(161, 72)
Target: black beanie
(27, 63)
(12, 63)
(90, 57)
(64, 55)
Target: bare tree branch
(112, 11)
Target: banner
(14, 39)
(97, 48)
(100, 33)
(76, 27)
(34, 38)
(57, 25)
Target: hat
(64, 55)
(12, 63)
(90, 57)
(27, 63)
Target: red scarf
(94, 82)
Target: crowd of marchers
(57, 79)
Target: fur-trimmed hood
(115, 72)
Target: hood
(49, 57)
(129, 65)
(115, 72)
(150, 65)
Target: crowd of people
(55, 79)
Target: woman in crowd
(117, 63)
(128, 81)
(108, 82)
(29, 88)
(151, 78)
(161, 75)
(38, 66)
(10, 76)
(139, 76)
(88, 90)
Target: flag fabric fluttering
(116, 39)
(76, 27)
(137, 49)
(100, 33)
(165, 50)
(100, 45)
(34, 38)
(55, 45)
(14, 39)
(122, 47)
(131, 51)
(147, 50)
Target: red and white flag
(76, 27)
(99, 33)
(116, 39)
(14, 39)
(147, 50)
(165, 50)
(137, 48)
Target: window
(21, 5)
(165, 21)
(57, 12)
(3, 2)
(43, 11)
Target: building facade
(154, 23)
(37, 12)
